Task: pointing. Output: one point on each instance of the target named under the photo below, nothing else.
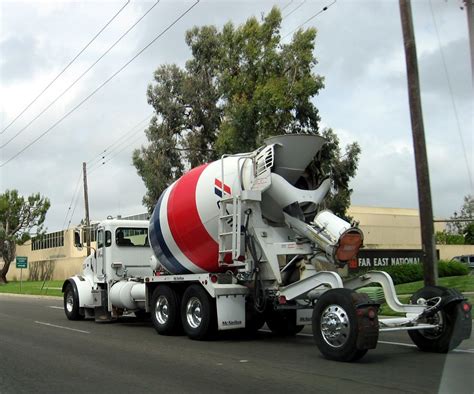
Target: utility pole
(86, 204)
(470, 26)
(430, 269)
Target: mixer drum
(184, 223)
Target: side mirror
(77, 239)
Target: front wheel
(345, 325)
(198, 313)
(452, 321)
(71, 304)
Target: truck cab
(122, 252)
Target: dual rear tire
(194, 312)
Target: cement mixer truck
(241, 242)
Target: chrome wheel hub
(193, 312)
(162, 310)
(70, 302)
(335, 326)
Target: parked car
(466, 259)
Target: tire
(283, 323)
(165, 305)
(198, 313)
(336, 327)
(71, 304)
(444, 338)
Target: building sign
(380, 258)
(21, 262)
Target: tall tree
(19, 218)
(461, 227)
(241, 85)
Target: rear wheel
(71, 304)
(165, 304)
(449, 320)
(198, 313)
(340, 332)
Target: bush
(406, 273)
(452, 268)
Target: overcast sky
(360, 52)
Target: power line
(80, 77)
(452, 96)
(74, 198)
(67, 66)
(286, 6)
(117, 152)
(95, 162)
(109, 148)
(102, 85)
(310, 18)
(294, 9)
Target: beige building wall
(56, 262)
(398, 228)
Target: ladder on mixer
(230, 240)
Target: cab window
(108, 238)
(100, 239)
(129, 236)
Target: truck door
(104, 240)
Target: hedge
(406, 273)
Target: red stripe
(227, 189)
(218, 183)
(186, 226)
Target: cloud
(21, 56)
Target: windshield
(129, 236)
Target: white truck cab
(123, 251)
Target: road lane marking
(471, 351)
(64, 328)
(55, 307)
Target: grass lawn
(463, 283)
(51, 288)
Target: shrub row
(406, 273)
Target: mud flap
(367, 322)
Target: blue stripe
(218, 192)
(157, 241)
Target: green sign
(21, 262)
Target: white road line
(411, 345)
(471, 351)
(64, 328)
(55, 307)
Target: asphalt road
(42, 352)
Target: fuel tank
(184, 224)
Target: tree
(19, 218)
(240, 86)
(464, 228)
